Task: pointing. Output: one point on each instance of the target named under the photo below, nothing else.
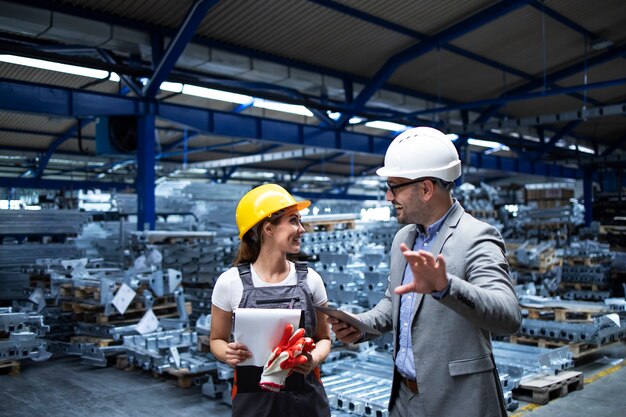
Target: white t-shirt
(229, 288)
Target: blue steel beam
(34, 98)
(157, 32)
(454, 49)
(541, 7)
(585, 64)
(145, 173)
(160, 156)
(181, 141)
(38, 183)
(333, 196)
(523, 146)
(409, 54)
(56, 143)
(307, 167)
(618, 144)
(559, 135)
(126, 79)
(505, 99)
(525, 166)
(588, 195)
(177, 45)
(358, 14)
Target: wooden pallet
(11, 368)
(99, 341)
(586, 261)
(183, 378)
(560, 314)
(122, 362)
(545, 388)
(581, 286)
(203, 343)
(165, 310)
(80, 306)
(542, 268)
(578, 349)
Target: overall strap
(301, 271)
(246, 275)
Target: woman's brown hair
(250, 245)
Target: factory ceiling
(544, 82)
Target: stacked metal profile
(172, 349)
(200, 256)
(21, 336)
(597, 328)
(25, 223)
(105, 239)
(359, 383)
(599, 332)
(13, 256)
(586, 271)
(522, 360)
(28, 235)
(86, 291)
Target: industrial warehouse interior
(131, 131)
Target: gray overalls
(303, 395)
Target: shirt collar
(434, 228)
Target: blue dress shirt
(404, 359)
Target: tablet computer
(348, 319)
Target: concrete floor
(65, 387)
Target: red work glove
(286, 356)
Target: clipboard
(260, 329)
(348, 319)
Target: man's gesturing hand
(429, 275)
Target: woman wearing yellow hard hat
(289, 383)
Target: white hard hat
(421, 152)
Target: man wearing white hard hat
(448, 291)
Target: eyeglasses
(394, 187)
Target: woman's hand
(236, 353)
(306, 367)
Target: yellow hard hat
(262, 202)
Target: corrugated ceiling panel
(305, 32)
(606, 18)
(159, 12)
(448, 75)
(516, 40)
(35, 123)
(23, 140)
(547, 105)
(427, 17)
(605, 72)
(35, 75)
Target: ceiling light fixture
(194, 90)
(282, 107)
(55, 66)
(394, 127)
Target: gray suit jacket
(451, 338)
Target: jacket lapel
(446, 230)
(398, 274)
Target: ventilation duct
(27, 20)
